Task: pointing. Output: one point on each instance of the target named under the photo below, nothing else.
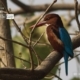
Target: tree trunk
(6, 54)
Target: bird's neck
(49, 30)
(53, 30)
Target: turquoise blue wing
(65, 38)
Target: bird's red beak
(39, 24)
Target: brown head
(51, 19)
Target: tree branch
(41, 71)
(76, 13)
(34, 8)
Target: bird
(58, 36)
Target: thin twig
(59, 72)
(41, 18)
(17, 57)
(43, 15)
(76, 13)
(73, 33)
(31, 58)
(30, 39)
(52, 76)
(68, 60)
(20, 58)
(41, 43)
(76, 50)
(24, 37)
(23, 46)
(23, 60)
(38, 39)
(19, 43)
(37, 56)
(36, 65)
(14, 42)
(58, 77)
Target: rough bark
(7, 49)
(41, 71)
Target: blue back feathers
(68, 51)
(65, 38)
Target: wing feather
(65, 38)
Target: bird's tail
(66, 62)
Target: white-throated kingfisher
(58, 36)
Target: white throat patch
(47, 24)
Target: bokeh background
(25, 20)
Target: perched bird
(58, 36)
